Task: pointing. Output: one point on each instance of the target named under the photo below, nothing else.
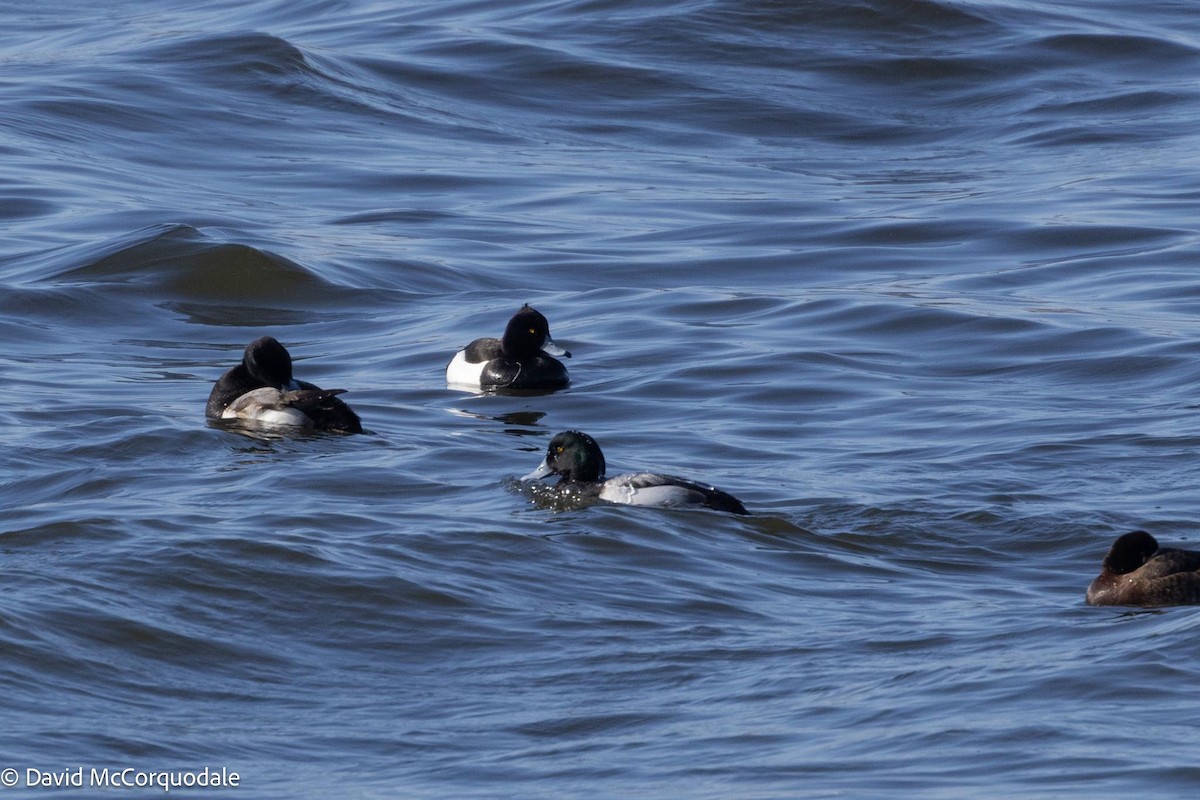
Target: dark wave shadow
(184, 270)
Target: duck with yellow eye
(578, 461)
(522, 359)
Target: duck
(522, 359)
(261, 389)
(1137, 572)
(578, 460)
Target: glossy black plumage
(522, 359)
(266, 364)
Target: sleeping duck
(1137, 572)
(261, 389)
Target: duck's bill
(554, 350)
(542, 471)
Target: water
(914, 280)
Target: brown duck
(1137, 572)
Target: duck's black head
(527, 334)
(1130, 552)
(573, 455)
(268, 361)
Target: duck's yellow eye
(558, 449)
(533, 330)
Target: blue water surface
(917, 281)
